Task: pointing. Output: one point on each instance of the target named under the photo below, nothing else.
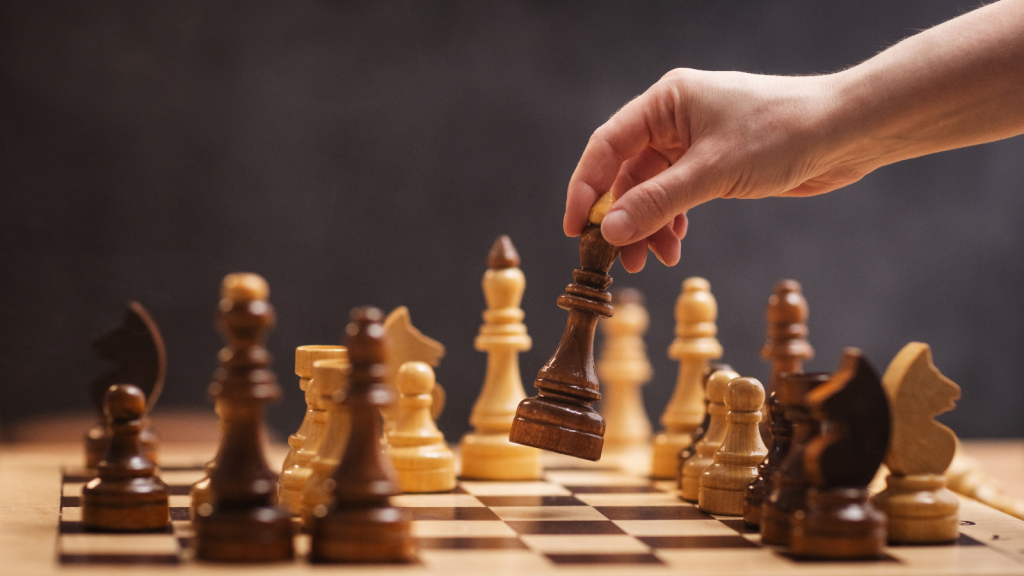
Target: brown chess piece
(785, 490)
(840, 522)
(137, 350)
(127, 496)
(787, 346)
(361, 525)
(242, 524)
(561, 417)
(781, 430)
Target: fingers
(664, 243)
(634, 256)
(620, 138)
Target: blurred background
(370, 153)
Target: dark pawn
(127, 496)
(787, 346)
(785, 491)
(242, 524)
(782, 433)
(561, 417)
(840, 522)
(362, 525)
(701, 430)
(137, 351)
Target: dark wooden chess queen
(127, 496)
(561, 417)
(243, 524)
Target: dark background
(357, 153)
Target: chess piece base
(752, 500)
(667, 446)
(920, 509)
(199, 495)
(493, 457)
(362, 535)
(424, 468)
(838, 523)
(133, 505)
(720, 501)
(571, 429)
(775, 526)
(290, 488)
(262, 534)
(315, 496)
(689, 485)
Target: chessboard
(580, 518)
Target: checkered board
(576, 520)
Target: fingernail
(618, 227)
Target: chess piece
(137, 349)
(698, 433)
(405, 343)
(785, 489)
(331, 377)
(487, 453)
(695, 345)
(781, 431)
(422, 459)
(787, 346)
(561, 417)
(919, 507)
(723, 484)
(623, 368)
(706, 447)
(361, 525)
(127, 496)
(296, 468)
(839, 521)
(242, 524)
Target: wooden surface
(30, 476)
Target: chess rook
(919, 506)
(242, 524)
(331, 377)
(361, 525)
(561, 417)
(421, 457)
(693, 467)
(785, 489)
(127, 496)
(623, 368)
(305, 444)
(487, 453)
(694, 346)
(722, 485)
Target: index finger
(623, 136)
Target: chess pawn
(623, 368)
(722, 484)
(695, 345)
(785, 490)
(360, 525)
(312, 432)
(919, 507)
(787, 346)
(331, 377)
(242, 523)
(422, 459)
(127, 496)
(487, 453)
(781, 431)
(706, 447)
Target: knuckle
(652, 201)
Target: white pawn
(623, 368)
(694, 346)
(487, 453)
(706, 447)
(723, 484)
(422, 459)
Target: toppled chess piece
(127, 496)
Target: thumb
(647, 207)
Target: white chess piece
(421, 457)
(623, 368)
(723, 484)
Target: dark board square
(603, 559)
(530, 501)
(452, 513)
(612, 489)
(77, 477)
(582, 469)
(80, 559)
(189, 468)
(564, 527)
(965, 540)
(175, 490)
(470, 544)
(457, 490)
(70, 527)
(653, 513)
(739, 525)
(696, 542)
(179, 513)
(70, 501)
(962, 540)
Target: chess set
(843, 472)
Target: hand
(695, 136)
